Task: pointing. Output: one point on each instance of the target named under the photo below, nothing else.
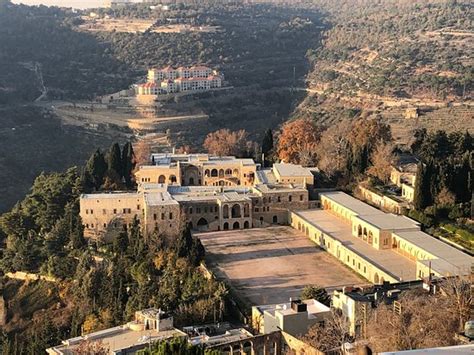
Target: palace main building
(209, 193)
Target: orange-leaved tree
(298, 142)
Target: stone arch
(236, 212)
(359, 231)
(235, 172)
(173, 179)
(227, 350)
(225, 211)
(207, 172)
(221, 173)
(275, 219)
(226, 226)
(202, 224)
(299, 226)
(228, 172)
(236, 225)
(247, 348)
(382, 280)
(246, 225)
(161, 179)
(376, 278)
(214, 173)
(365, 232)
(371, 237)
(236, 349)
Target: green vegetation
(402, 49)
(43, 234)
(316, 292)
(176, 346)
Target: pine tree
(114, 160)
(128, 164)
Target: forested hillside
(400, 49)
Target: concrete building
(209, 193)
(379, 246)
(184, 79)
(294, 317)
(356, 304)
(149, 325)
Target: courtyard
(270, 265)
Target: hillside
(51, 53)
(397, 49)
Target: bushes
(425, 219)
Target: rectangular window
(124, 210)
(138, 207)
(162, 216)
(290, 198)
(87, 211)
(171, 215)
(115, 211)
(92, 211)
(301, 197)
(104, 211)
(154, 216)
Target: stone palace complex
(226, 193)
(210, 193)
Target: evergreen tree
(422, 196)
(128, 164)
(267, 142)
(114, 160)
(95, 169)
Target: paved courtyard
(270, 265)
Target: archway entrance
(202, 224)
(236, 225)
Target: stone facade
(209, 193)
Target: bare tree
(331, 335)
(382, 159)
(334, 148)
(418, 320)
(225, 142)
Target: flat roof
(390, 221)
(111, 195)
(158, 198)
(285, 169)
(116, 338)
(351, 203)
(313, 307)
(387, 260)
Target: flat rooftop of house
(157, 198)
(230, 336)
(165, 159)
(358, 207)
(394, 264)
(209, 193)
(267, 188)
(111, 195)
(152, 186)
(313, 307)
(116, 338)
(284, 169)
(266, 176)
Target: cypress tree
(114, 160)
(95, 169)
(128, 163)
(267, 142)
(421, 198)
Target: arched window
(246, 225)
(228, 172)
(236, 225)
(207, 172)
(226, 226)
(275, 219)
(221, 173)
(173, 179)
(161, 179)
(214, 173)
(236, 213)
